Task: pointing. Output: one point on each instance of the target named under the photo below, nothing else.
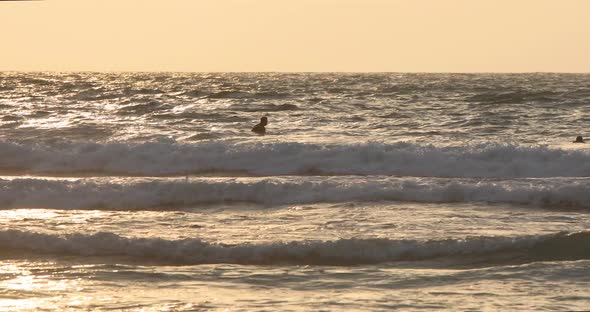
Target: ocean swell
(169, 194)
(555, 247)
(261, 159)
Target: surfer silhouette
(579, 139)
(259, 128)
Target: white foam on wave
(137, 194)
(404, 159)
(339, 252)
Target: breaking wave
(169, 194)
(259, 159)
(554, 247)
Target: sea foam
(164, 193)
(263, 159)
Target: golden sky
(296, 35)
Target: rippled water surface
(432, 108)
(368, 192)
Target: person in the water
(579, 139)
(259, 128)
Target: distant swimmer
(259, 128)
(579, 139)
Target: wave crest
(168, 194)
(404, 159)
(560, 246)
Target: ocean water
(369, 192)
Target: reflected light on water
(17, 304)
(47, 123)
(21, 214)
(22, 290)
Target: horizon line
(286, 72)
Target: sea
(369, 192)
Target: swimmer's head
(263, 121)
(579, 139)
